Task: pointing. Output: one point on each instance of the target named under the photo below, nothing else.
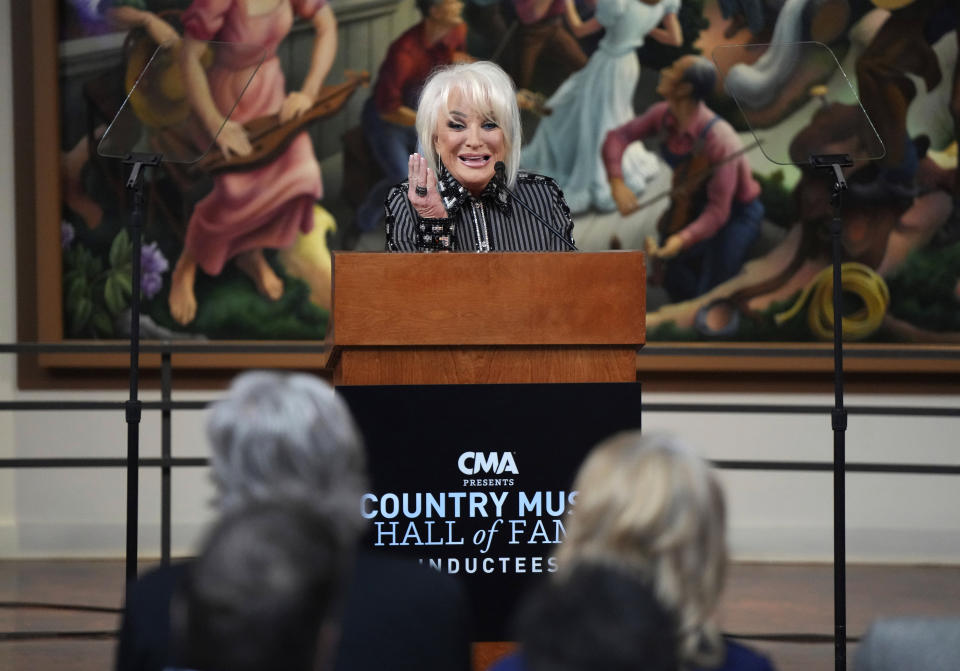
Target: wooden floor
(761, 600)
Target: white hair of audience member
(488, 90)
(649, 504)
(918, 643)
(288, 438)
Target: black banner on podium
(475, 480)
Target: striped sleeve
(544, 196)
(400, 221)
(407, 232)
(561, 212)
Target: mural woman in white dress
(596, 99)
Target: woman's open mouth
(474, 160)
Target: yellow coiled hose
(855, 278)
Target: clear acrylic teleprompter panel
(156, 117)
(797, 101)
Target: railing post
(166, 421)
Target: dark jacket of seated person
(596, 618)
(397, 615)
(265, 592)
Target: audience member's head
(651, 506)
(596, 618)
(918, 643)
(287, 437)
(263, 594)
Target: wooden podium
(487, 318)
(412, 319)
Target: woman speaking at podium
(466, 193)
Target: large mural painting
(626, 103)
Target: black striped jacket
(488, 222)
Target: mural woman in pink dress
(266, 207)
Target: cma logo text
(471, 463)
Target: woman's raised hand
(422, 189)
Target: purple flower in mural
(150, 284)
(152, 259)
(82, 18)
(87, 9)
(67, 234)
(152, 266)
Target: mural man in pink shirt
(726, 218)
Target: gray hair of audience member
(264, 593)
(596, 618)
(649, 504)
(486, 88)
(702, 76)
(288, 437)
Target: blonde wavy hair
(488, 90)
(650, 505)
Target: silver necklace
(480, 226)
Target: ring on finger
(421, 190)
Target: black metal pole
(133, 407)
(166, 375)
(834, 164)
(839, 422)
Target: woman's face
(469, 144)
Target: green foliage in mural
(96, 291)
(778, 202)
(229, 308)
(925, 290)
(759, 327)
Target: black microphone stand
(833, 163)
(127, 132)
(133, 407)
(499, 169)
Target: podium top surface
(512, 298)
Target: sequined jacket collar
(454, 194)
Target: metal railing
(167, 462)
